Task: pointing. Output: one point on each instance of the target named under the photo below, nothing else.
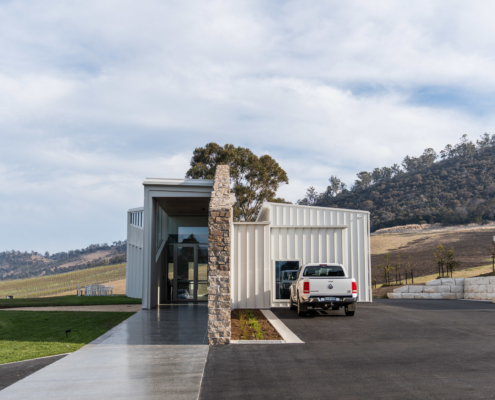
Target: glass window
(170, 272)
(203, 273)
(285, 273)
(328, 270)
(189, 234)
(185, 272)
(160, 226)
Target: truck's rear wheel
(292, 305)
(349, 313)
(302, 310)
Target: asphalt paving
(391, 349)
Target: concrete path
(105, 308)
(157, 354)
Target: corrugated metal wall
(250, 278)
(289, 232)
(134, 267)
(308, 245)
(321, 244)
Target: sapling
(386, 269)
(440, 259)
(397, 266)
(450, 262)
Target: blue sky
(95, 96)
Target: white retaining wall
(482, 288)
(445, 288)
(479, 288)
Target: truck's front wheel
(302, 309)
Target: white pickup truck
(323, 286)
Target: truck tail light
(354, 288)
(306, 287)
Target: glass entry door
(190, 272)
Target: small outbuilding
(183, 246)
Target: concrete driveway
(391, 349)
(154, 354)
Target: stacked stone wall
(219, 251)
(482, 288)
(445, 288)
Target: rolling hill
(22, 265)
(456, 188)
(61, 283)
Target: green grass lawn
(30, 334)
(68, 301)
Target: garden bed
(252, 325)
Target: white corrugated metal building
(167, 246)
(304, 234)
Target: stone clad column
(219, 250)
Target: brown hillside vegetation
(472, 247)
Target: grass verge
(68, 301)
(31, 334)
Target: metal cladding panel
(249, 286)
(317, 234)
(134, 264)
(309, 245)
(290, 232)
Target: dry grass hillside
(63, 283)
(472, 247)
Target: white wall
(250, 276)
(320, 234)
(134, 265)
(308, 245)
(307, 234)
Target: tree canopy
(254, 179)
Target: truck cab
(324, 286)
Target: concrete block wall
(482, 288)
(445, 288)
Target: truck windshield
(328, 270)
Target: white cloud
(96, 96)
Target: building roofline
(135, 209)
(177, 182)
(317, 207)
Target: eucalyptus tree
(254, 179)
